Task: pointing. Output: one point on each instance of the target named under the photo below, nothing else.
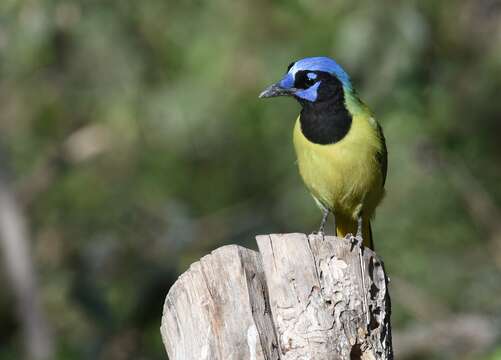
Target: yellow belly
(346, 176)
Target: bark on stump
(300, 297)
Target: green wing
(382, 155)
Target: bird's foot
(356, 241)
(319, 233)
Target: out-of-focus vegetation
(136, 144)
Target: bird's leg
(325, 215)
(359, 228)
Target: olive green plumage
(340, 147)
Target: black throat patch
(326, 121)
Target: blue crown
(322, 63)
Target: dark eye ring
(309, 81)
(311, 78)
(305, 79)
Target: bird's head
(311, 80)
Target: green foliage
(135, 136)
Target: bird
(340, 147)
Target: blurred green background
(132, 143)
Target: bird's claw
(356, 240)
(319, 233)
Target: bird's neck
(325, 122)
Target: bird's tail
(346, 226)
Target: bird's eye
(311, 78)
(309, 82)
(305, 79)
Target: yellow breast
(345, 176)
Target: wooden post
(301, 297)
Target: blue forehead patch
(322, 63)
(287, 81)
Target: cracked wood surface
(217, 309)
(299, 298)
(317, 298)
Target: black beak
(275, 90)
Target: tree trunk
(15, 248)
(298, 298)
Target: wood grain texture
(217, 310)
(322, 307)
(299, 298)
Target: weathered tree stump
(300, 297)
